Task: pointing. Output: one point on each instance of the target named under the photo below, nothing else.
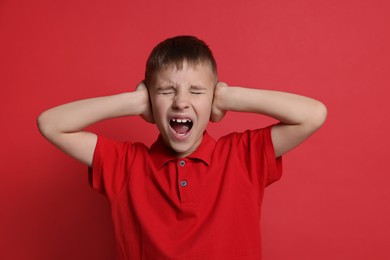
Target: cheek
(159, 108)
(204, 108)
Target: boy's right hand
(64, 125)
(147, 113)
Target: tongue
(180, 128)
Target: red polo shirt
(204, 206)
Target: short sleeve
(256, 150)
(274, 165)
(111, 161)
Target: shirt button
(183, 183)
(182, 163)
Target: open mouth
(181, 126)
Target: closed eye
(197, 90)
(166, 92)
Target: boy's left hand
(217, 109)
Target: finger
(141, 86)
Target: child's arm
(63, 125)
(299, 116)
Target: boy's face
(181, 102)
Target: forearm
(299, 116)
(285, 107)
(75, 116)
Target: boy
(187, 196)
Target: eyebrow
(198, 87)
(165, 87)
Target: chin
(181, 151)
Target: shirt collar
(160, 153)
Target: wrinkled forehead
(201, 72)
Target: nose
(180, 101)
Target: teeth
(181, 120)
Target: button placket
(184, 183)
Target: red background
(333, 200)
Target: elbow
(319, 114)
(44, 125)
(41, 124)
